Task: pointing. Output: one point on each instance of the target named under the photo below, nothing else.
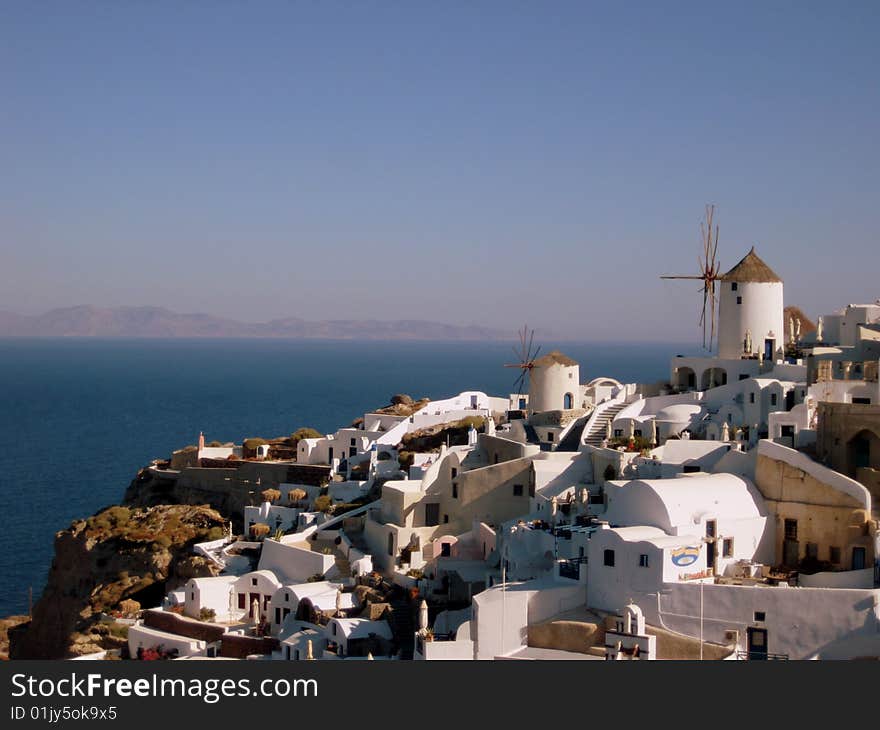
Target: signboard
(685, 556)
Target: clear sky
(480, 162)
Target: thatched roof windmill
(708, 273)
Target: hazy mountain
(86, 321)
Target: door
(432, 514)
(278, 615)
(790, 551)
(711, 553)
(710, 556)
(769, 347)
(858, 558)
(757, 643)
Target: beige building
(823, 518)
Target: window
(691, 468)
(445, 519)
(773, 399)
(454, 490)
(834, 555)
(287, 598)
(643, 560)
(241, 600)
(353, 451)
(517, 490)
(791, 529)
(333, 630)
(862, 401)
(710, 528)
(739, 300)
(734, 286)
(609, 558)
(743, 376)
(550, 436)
(751, 397)
(637, 432)
(618, 432)
(727, 547)
(787, 432)
(454, 472)
(192, 596)
(812, 551)
(253, 581)
(352, 442)
(760, 616)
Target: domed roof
(751, 269)
(677, 412)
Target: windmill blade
(518, 383)
(712, 313)
(534, 355)
(681, 276)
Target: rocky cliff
(119, 553)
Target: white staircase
(595, 433)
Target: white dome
(680, 413)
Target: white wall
(760, 311)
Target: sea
(80, 416)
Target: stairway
(403, 626)
(596, 434)
(572, 438)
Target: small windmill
(709, 273)
(526, 356)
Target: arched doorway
(685, 378)
(713, 378)
(568, 401)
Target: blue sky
(488, 162)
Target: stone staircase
(596, 435)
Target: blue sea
(78, 417)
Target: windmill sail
(709, 271)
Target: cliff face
(225, 495)
(117, 554)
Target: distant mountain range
(86, 321)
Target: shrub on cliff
(304, 433)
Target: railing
(760, 656)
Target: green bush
(207, 614)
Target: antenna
(525, 356)
(709, 269)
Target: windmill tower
(525, 356)
(751, 300)
(708, 275)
